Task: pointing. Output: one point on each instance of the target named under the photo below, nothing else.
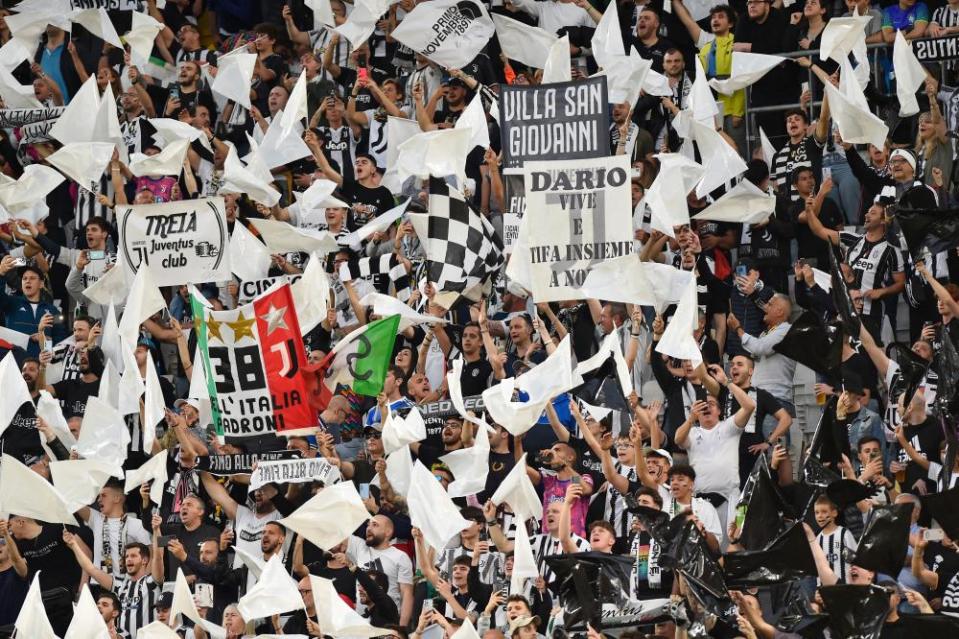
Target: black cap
(165, 600)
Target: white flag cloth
(27, 26)
(631, 281)
(910, 75)
(362, 20)
(432, 510)
(90, 117)
(518, 266)
(144, 300)
(169, 130)
(599, 413)
(110, 338)
(48, 408)
(469, 466)
(249, 258)
(157, 629)
(79, 480)
(32, 620)
(701, 99)
(439, 153)
(744, 203)
(524, 563)
(841, 36)
(847, 104)
(153, 470)
(103, 433)
(335, 617)
(769, 151)
(142, 33)
(466, 631)
(16, 95)
(523, 43)
(722, 163)
(450, 33)
(16, 338)
(112, 287)
(518, 491)
(238, 178)
(83, 162)
(20, 196)
(109, 387)
(234, 74)
(398, 131)
(169, 161)
(15, 391)
(516, 417)
(402, 431)
(610, 347)
(278, 148)
(456, 395)
(311, 294)
(380, 222)
(254, 564)
(822, 279)
(322, 13)
(747, 69)
(274, 593)
(386, 305)
(295, 109)
(666, 196)
(97, 22)
(608, 38)
(24, 492)
(281, 237)
(319, 196)
(87, 622)
(330, 516)
(184, 604)
(677, 340)
(13, 53)
(132, 384)
(198, 391)
(473, 117)
(626, 76)
(399, 470)
(558, 67)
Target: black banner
(562, 121)
(936, 49)
(241, 463)
(444, 408)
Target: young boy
(832, 538)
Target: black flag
(885, 541)
(933, 229)
(811, 342)
(787, 557)
(855, 611)
(841, 299)
(912, 370)
(765, 508)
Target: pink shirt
(554, 489)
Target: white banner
(579, 215)
(510, 231)
(296, 471)
(449, 32)
(251, 289)
(183, 241)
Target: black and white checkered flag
(366, 267)
(463, 249)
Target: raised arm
(574, 492)
(219, 495)
(813, 206)
(73, 542)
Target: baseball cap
(164, 601)
(190, 401)
(659, 452)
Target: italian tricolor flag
(361, 360)
(253, 358)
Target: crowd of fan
(684, 441)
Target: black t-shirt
(53, 559)
(587, 463)
(766, 404)
(499, 466)
(434, 429)
(13, 590)
(378, 200)
(191, 540)
(945, 563)
(925, 438)
(274, 63)
(22, 437)
(579, 322)
(476, 377)
(655, 52)
(811, 246)
(73, 394)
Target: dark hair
(473, 513)
(724, 8)
(682, 469)
(268, 29)
(868, 439)
(97, 220)
(96, 360)
(463, 560)
(520, 598)
(799, 170)
(278, 525)
(112, 596)
(672, 51)
(618, 309)
(800, 112)
(605, 525)
(399, 630)
(136, 545)
(646, 490)
(756, 171)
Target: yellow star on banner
(213, 328)
(242, 326)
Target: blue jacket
(19, 315)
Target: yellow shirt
(734, 104)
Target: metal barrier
(752, 133)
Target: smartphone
(361, 61)
(19, 261)
(96, 255)
(164, 540)
(364, 491)
(742, 270)
(933, 534)
(576, 479)
(826, 173)
(700, 391)
(875, 454)
(427, 604)
(174, 92)
(362, 73)
(805, 87)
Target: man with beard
(190, 532)
(362, 192)
(451, 438)
(250, 525)
(66, 354)
(187, 92)
(137, 587)
(73, 393)
(137, 107)
(85, 270)
(27, 312)
(375, 553)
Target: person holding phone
(90, 264)
(28, 312)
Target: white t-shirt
(134, 531)
(714, 454)
(249, 527)
(704, 511)
(392, 562)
